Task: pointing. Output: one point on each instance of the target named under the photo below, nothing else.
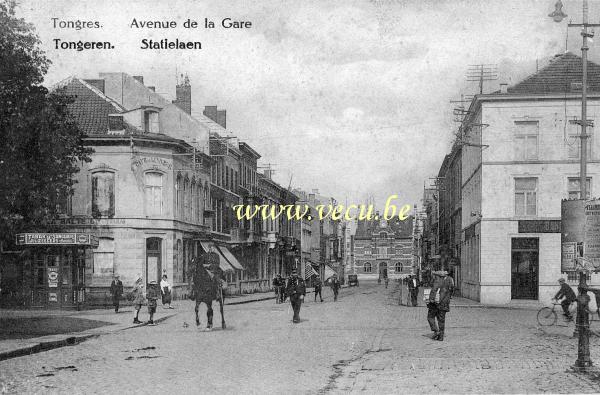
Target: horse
(205, 289)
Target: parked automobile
(352, 280)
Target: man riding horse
(207, 286)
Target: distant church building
(383, 247)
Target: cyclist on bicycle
(568, 294)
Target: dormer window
(150, 121)
(115, 123)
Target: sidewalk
(91, 323)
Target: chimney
(183, 95)
(152, 88)
(222, 118)
(503, 87)
(139, 78)
(98, 84)
(210, 112)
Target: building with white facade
(520, 157)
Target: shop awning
(232, 260)
(329, 271)
(223, 263)
(82, 239)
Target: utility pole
(583, 320)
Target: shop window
(103, 194)
(104, 258)
(525, 196)
(368, 267)
(153, 193)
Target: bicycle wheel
(546, 316)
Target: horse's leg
(209, 314)
(196, 309)
(221, 303)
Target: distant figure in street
(439, 303)
(387, 280)
(413, 287)
(568, 294)
(165, 289)
(138, 298)
(295, 290)
(335, 286)
(152, 295)
(279, 285)
(116, 290)
(318, 284)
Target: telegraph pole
(583, 320)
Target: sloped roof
(90, 107)
(558, 76)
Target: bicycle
(547, 316)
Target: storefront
(50, 273)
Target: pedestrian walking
(439, 303)
(152, 295)
(165, 289)
(279, 285)
(116, 290)
(295, 290)
(318, 284)
(335, 286)
(138, 298)
(413, 287)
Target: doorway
(153, 259)
(524, 268)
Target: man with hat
(116, 290)
(295, 290)
(568, 294)
(439, 303)
(335, 286)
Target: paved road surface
(364, 343)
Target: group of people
(295, 289)
(150, 297)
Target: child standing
(152, 295)
(138, 298)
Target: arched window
(103, 194)
(153, 184)
(368, 267)
(398, 267)
(178, 197)
(186, 199)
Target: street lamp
(582, 324)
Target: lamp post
(582, 324)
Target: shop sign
(153, 161)
(56, 239)
(591, 240)
(539, 226)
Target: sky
(352, 98)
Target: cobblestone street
(364, 342)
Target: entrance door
(382, 269)
(153, 259)
(56, 277)
(524, 268)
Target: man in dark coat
(413, 287)
(295, 290)
(318, 284)
(438, 306)
(116, 290)
(335, 286)
(568, 294)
